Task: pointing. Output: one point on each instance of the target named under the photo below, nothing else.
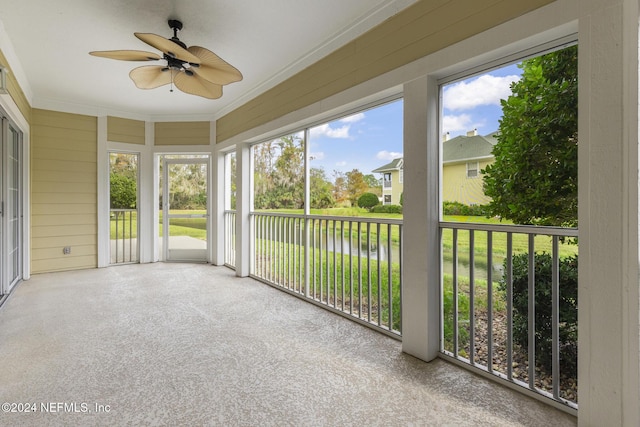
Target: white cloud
(341, 164)
(453, 123)
(326, 130)
(485, 90)
(319, 155)
(354, 118)
(388, 155)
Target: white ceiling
(267, 40)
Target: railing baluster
(117, 244)
(509, 282)
(532, 312)
(130, 237)
(335, 267)
(379, 262)
(313, 258)
(555, 318)
(342, 261)
(472, 299)
(389, 278)
(400, 260)
(359, 269)
(455, 292)
(369, 272)
(350, 268)
(490, 301)
(124, 236)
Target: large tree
(279, 174)
(534, 179)
(320, 189)
(356, 186)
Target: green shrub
(368, 200)
(543, 321)
(122, 191)
(457, 208)
(394, 209)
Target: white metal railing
(350, 265)
(482, 312)
(124, 230)
(230, 238)
(386, 184)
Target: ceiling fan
(194, 70)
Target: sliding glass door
(11, 191)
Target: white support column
(608, 296)
(243, 208)
(147, 207)
(104, 250)
(219, 206)
(150, 138)
(421, 282)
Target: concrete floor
(183, 344)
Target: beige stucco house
(392, 181)
(463, 159)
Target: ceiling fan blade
(169, 47)
(150, 76)
(196, 85)
(127, 55)
(213, 68)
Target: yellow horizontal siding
(15, 91)
(64, 231)
(182, 133)
(73, 241)
(62, 220)
(66, 177)
(68, 187)
(421, 29)
(125, 130)
(76, 138)
(73, 155)
(64, 191)
(63, 209)
(64, 197)
(456, 187)
(76, 251)
(70, 262)
(41, 164)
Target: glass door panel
(185, 217)
(13, 208)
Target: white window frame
(476, 170)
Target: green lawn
(193, 227)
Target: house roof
(394, 165)
(471, 147)
(458, 149)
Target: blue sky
(372, 138)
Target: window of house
(472, 172)
(387, 180)
(387, 199)
(401, 175)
